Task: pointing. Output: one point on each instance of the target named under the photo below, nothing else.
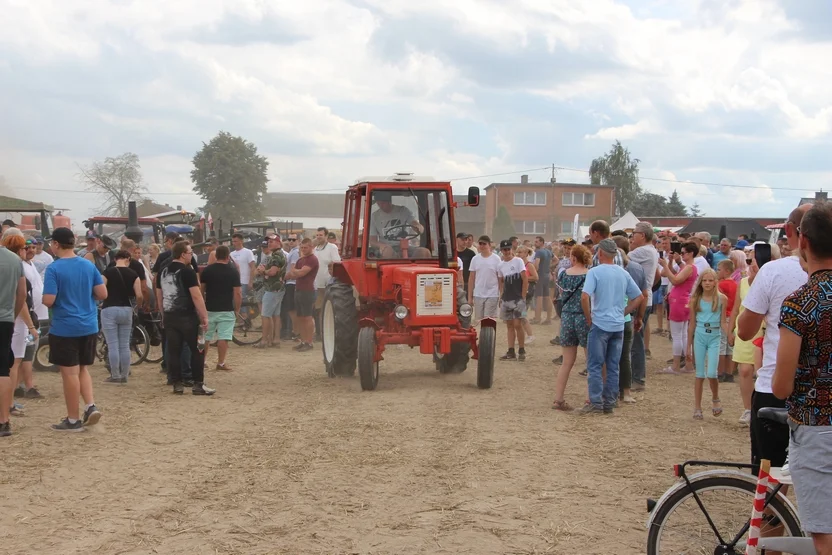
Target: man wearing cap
(41, 259)
(100, 255)
(514, 284)
(71, 287)
(389, 223)
(273, 270)
(606, 286)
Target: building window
(529, 199)
(578, 199)
(566, 226)
(530, 228)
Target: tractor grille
(435, 295)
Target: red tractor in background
(398, 282)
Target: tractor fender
(368, 323)
(488, 323)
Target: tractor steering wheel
(391, 233)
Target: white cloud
(627, 131)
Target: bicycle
(683, 521)
(248, 330)
(152, 324)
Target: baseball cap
(608, 246)
(274, 237)
(741, 244)
(38, 239)
(10, 223)
(505, 244)
(569, 241)
(63, 235)
(90, 234)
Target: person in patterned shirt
(803, 376)
(273, 271)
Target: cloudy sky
(717, 91)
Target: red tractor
(399, 284)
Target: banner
(576, 229)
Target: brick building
(546, 208)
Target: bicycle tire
(781, 508)
(154, 357)
(246, 332)
(140, 347)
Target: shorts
(271, 303)
(810, 464)
(541, 288)
(512, 310)
(19, 340)
(573, 329)
(220, 326)
(288, 298)
(659, 295)
(724, 348)
(319, 298)
(305, 303)
(72, 351)
(769, 440)
(486, 307)
(6, 356)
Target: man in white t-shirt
(390, 223)
(483, 284)
(326, 253)
(514, 284)
(244, 259)
(42, 259)
(774, 281)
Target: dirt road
(285, 460)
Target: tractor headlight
(466, 310)
(400, 312)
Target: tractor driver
(392, 220)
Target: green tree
(650, 204)
(617, 169)
(503, 227)
(231, 177)
(694, 211)
(675, 207)
(117, 181)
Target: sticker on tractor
(433, 294)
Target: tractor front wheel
(367, 365)
(339, 330)
(485, 364)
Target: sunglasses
(291, 239)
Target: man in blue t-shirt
(602, 300)
(71, 288)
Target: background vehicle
(398, 283)
(153, 229)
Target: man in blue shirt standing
(71, 287)
(607, 286)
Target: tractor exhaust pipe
(133, 231)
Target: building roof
(557, 184)
(734, 227)
(148, 207)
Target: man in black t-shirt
(466, 255)
(223, 297)
(180, 300)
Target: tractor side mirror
(473, 196)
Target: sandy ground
(285, 460)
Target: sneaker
(628, 399)
(558, 360)
(202, 389)
(223, 367)
(584, 372)
(298, 346)
(66, 426)
(303, 347)
(590, 409)
(667, 370)
(112, 380)
(609, 409)
(17, 410)
(555, 341)
(178, 388)
(729, 378)
(509, 355)
(521, 355)
(19, 392)
(637, 386)
(546, 323)
(91, 416)
(5, 429)
(648, 355)
(33, 393)
(122, 381)
(529, 339)
(746, 417)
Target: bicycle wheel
(155, 353)
(248, 330)
(139, 345)
(680, 525)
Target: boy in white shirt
(483, 283)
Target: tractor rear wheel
(456, 361)
(339, 330)
(367, 366)
(485, 364)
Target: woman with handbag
(573, 328)
(124, 291)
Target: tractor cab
(398, 281)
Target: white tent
(627, 222)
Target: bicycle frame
(685, 483)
